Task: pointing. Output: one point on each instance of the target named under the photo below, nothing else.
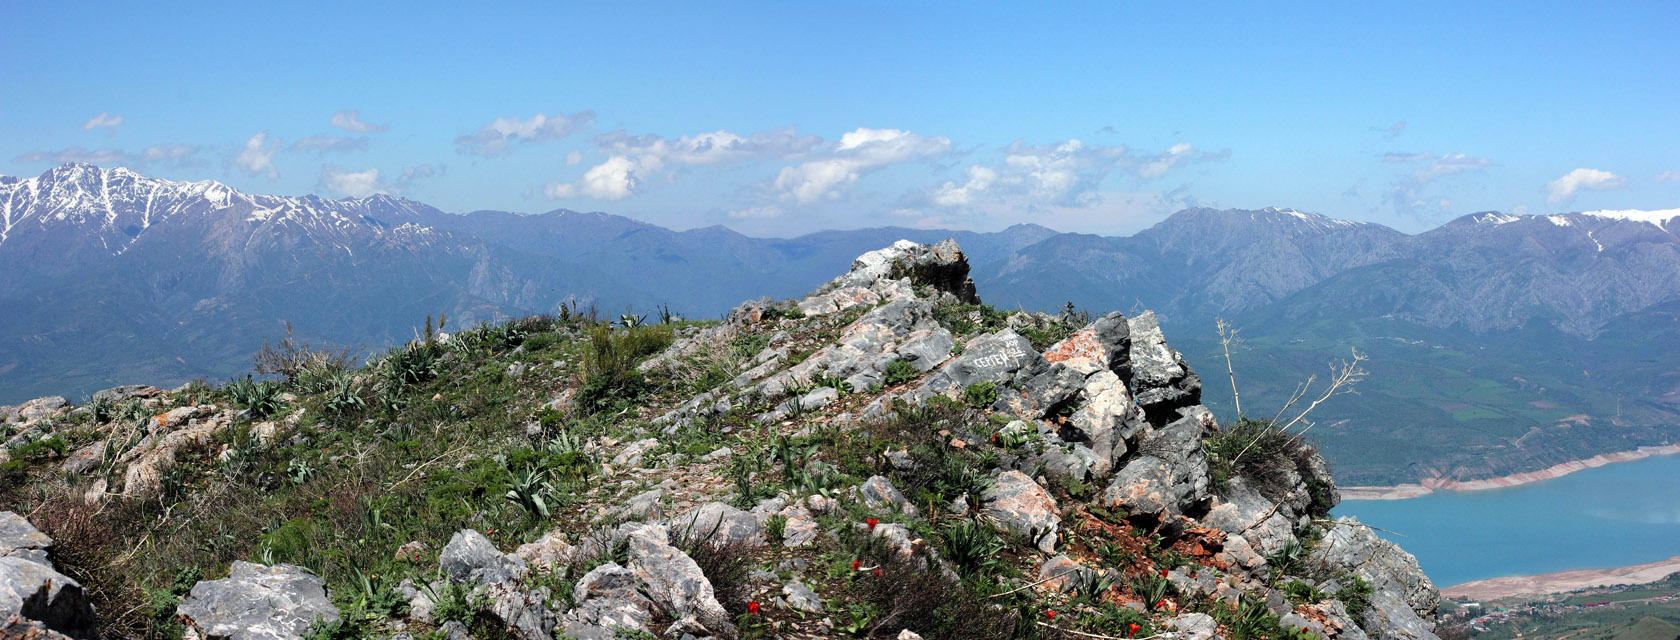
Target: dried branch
(1228, 338)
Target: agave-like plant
(532, 491)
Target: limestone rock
(1353, 547)
(801, 597)
(1018, 504)
(1169, 475)
(1194, 626)
(674, 582)
(719, 523)
(470, 558)
(878, 493)
(257, 603)
(607, 600)
(20, 539)
(1161, 380)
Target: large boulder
(995, 358)
(1161, 380)
(1353, 547)
(941, 266)
(35, 591)
(719, 523)
(125, 392)
(1169, 475)
(1018, 504)
(471, 558)
(20, 539)
(43, 600)
(608, 602)
(257, 602)
(674, 582)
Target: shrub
(412, 364)
(1264, 456)
(973, 546)
(899, 372)
(612, 380)
(775, 528)
(343, 400)
(291, 358)
(980, 395)
(262, 399)
(726, 563)
(1356, 597)
(969, 319)
(912, 594)
(791, 313)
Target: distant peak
(1658, 217)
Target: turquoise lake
(1612, 516)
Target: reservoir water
(1612, 516)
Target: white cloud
(494, 138)
(574, 157)
(757, 213)
(355, 184)
(1666, 176)
(652, 152)
(1448, 165)
(859, 151)
(951, 194)
(103, 120)
(361, 184)
(1159, 165)
(258, 156)
(1564, 188)
(351, 120)
(1405, 194)
(1403, 157)
(614, 179)
(174, 155)
(634, 158)
(76, 154)
(324, 144)
(1065, 174)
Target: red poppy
(878, 573)
(856, 564)
(752, 608)
(1132, 629)
(872, 522)
(1050, 613)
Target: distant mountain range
(1499, 343)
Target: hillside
(886, 457)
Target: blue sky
(787, 117)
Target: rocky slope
(886, 457)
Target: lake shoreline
(1431, 485)
(1562, 581)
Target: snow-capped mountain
(78, 212)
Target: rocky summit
(886, 457)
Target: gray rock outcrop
(257, 602)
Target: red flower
(1132, 629)
(878, 573)
(1050, 613)
(489, 531)
(1163, 573)
(752, 608)
(872, 522)
(856, 564)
